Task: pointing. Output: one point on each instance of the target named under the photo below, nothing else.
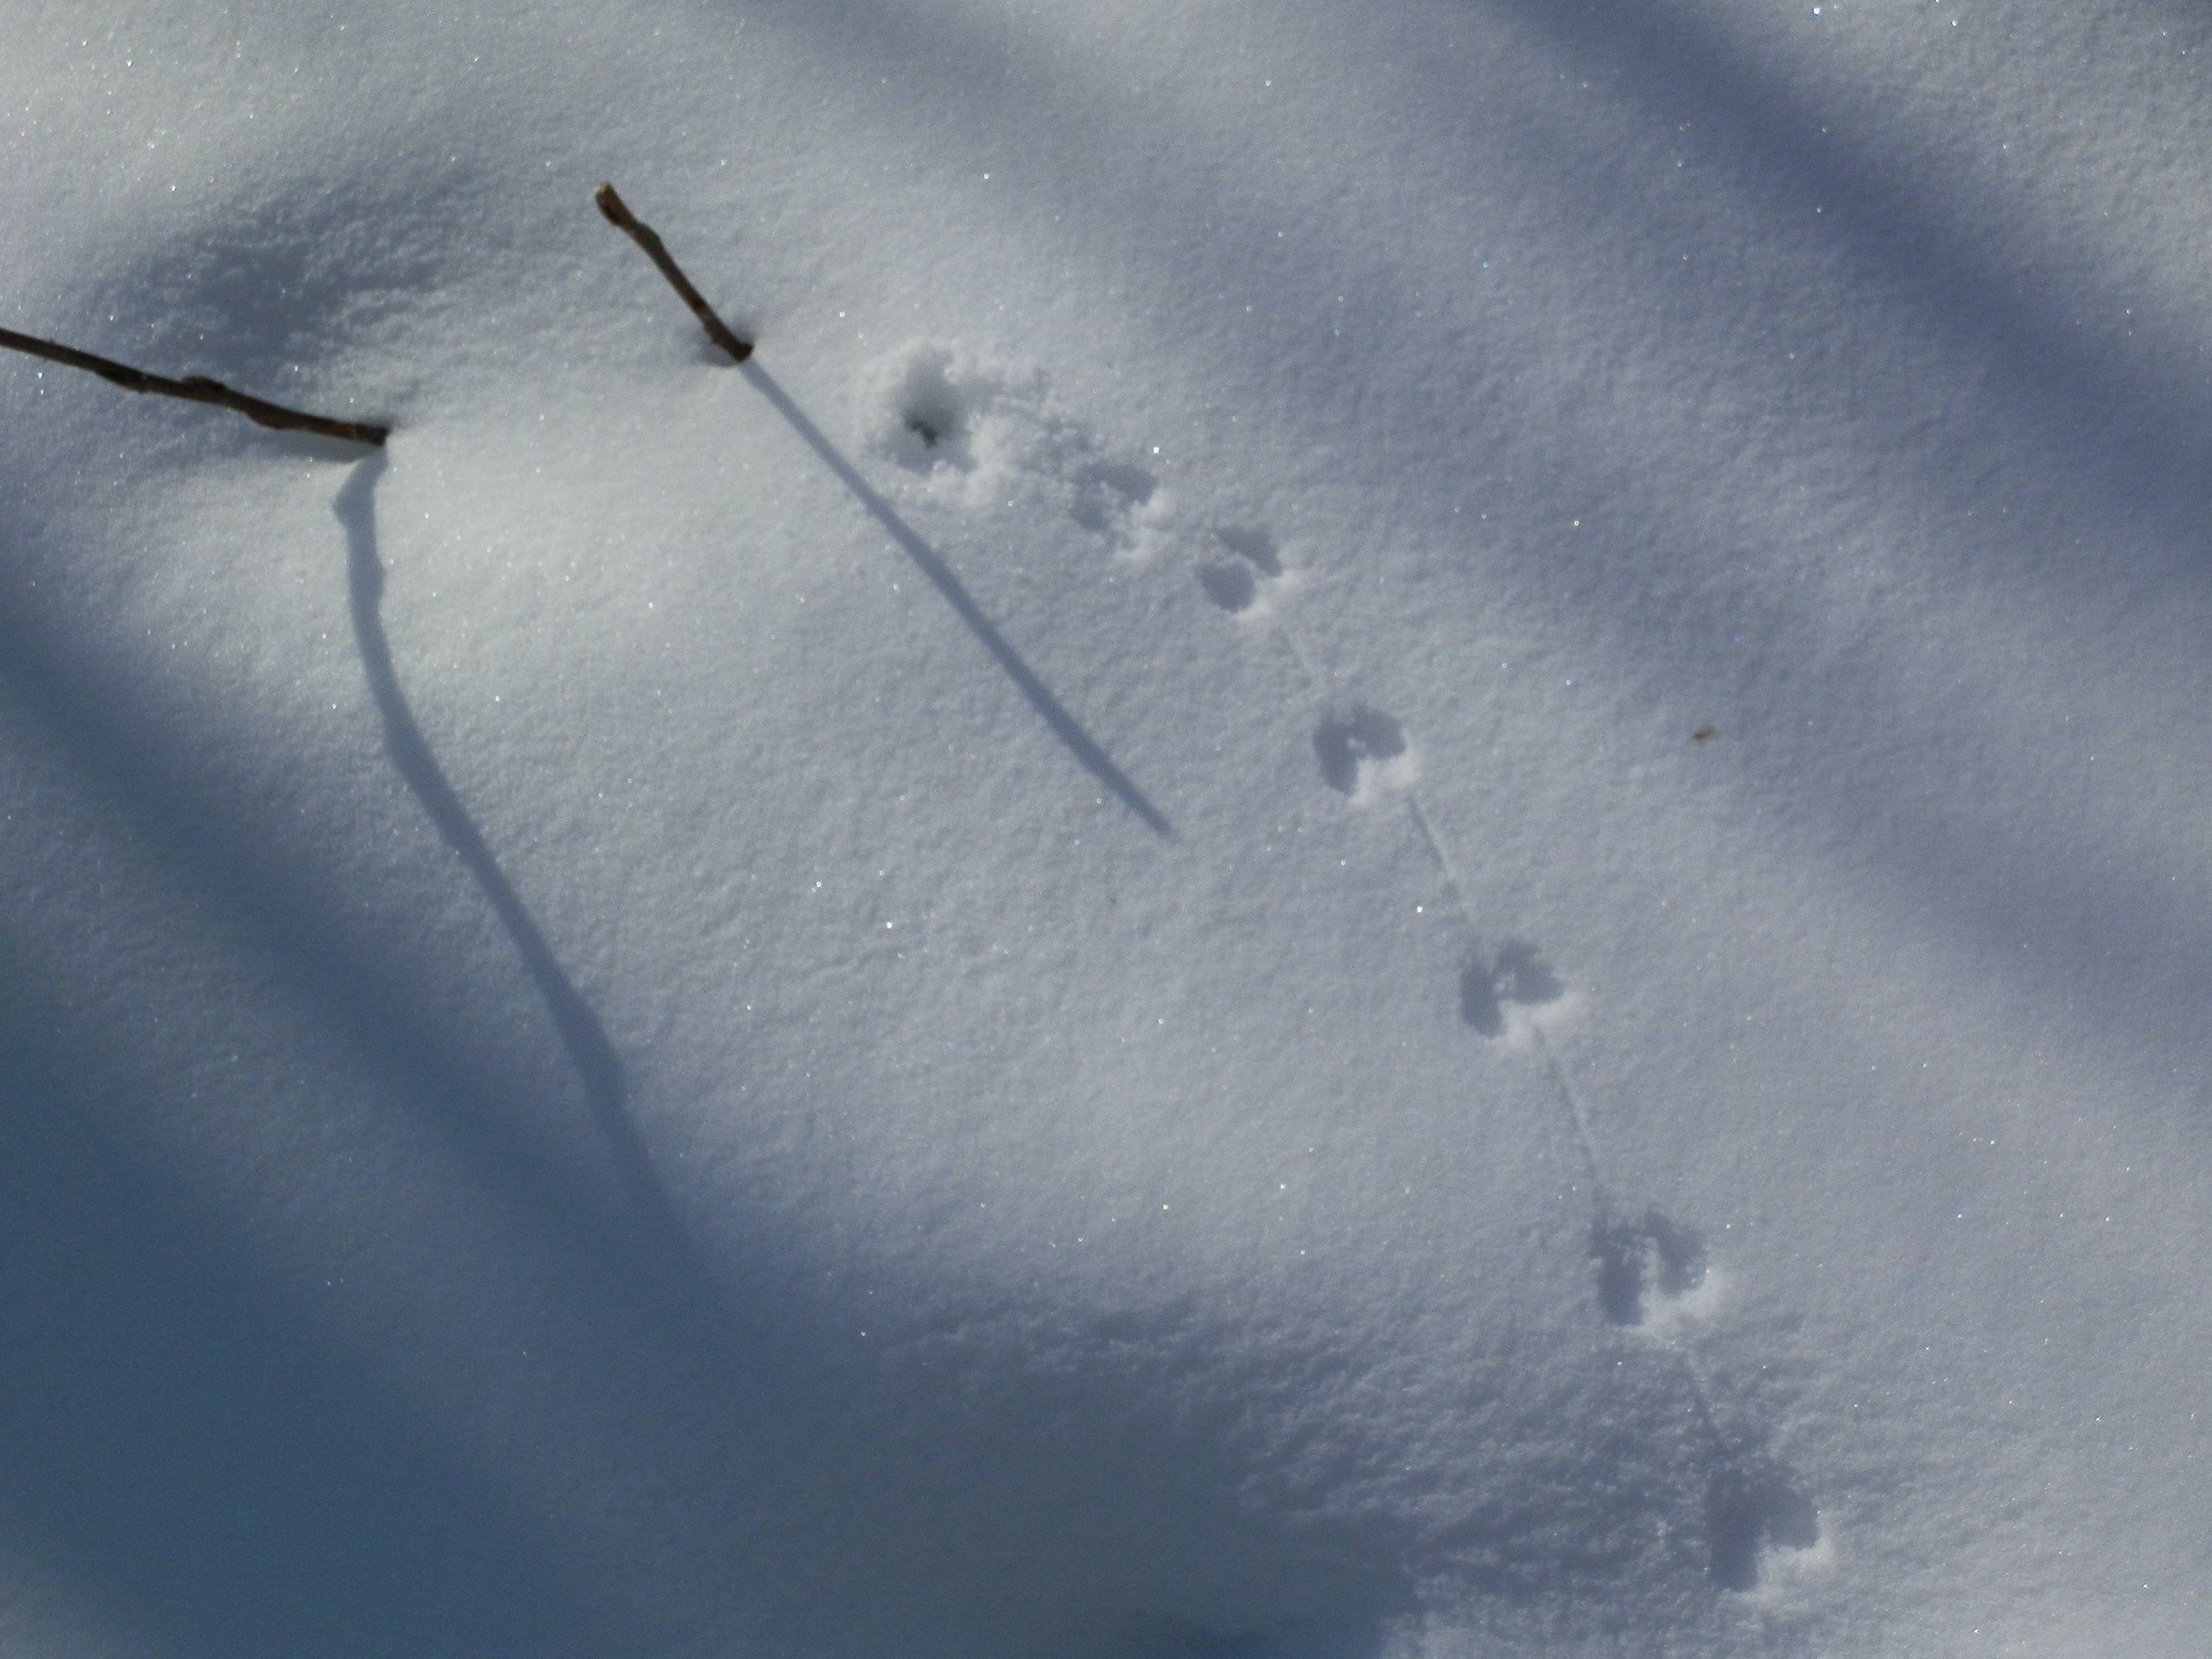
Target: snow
(1396, 848)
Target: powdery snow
(1396, 848)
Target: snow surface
(1401, 845)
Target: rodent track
(1356, 744)
(1652, 1276)
(1644, 1265)
(1249, 571)
(975, 430)
(1517, 976)
(1110, 497)
(1753, 1506)
(931, 411)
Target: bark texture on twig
(619, 215)
(197, 389)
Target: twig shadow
(1064, 727)
(606, 1087)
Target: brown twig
(619, 215)
(197, 389)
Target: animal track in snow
(932, 411)
(1112, 499)
(1653, 1277)
(1247, 574)
(1229, 585)
(1753, 1510)
(980, 432)
(1646, 1269)
(1363, 752)
(1517, 976)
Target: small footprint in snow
(1247, 574)
(1755, 1510)
(1363, 753)
(984, 432)
(1516, 978)
(1116, 499)
(927, 406)
(1653, 1274)
(1648, 1269)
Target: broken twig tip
(617, 214)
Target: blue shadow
(1064, 727)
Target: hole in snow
(1235, 584)
(1638, 1261)
(928, 410)
(1353, 740)
(1751, 1510)
(1519, 974)
(1230, 585)
(1479, 1005)
(933, 411)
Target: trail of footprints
(1651, 1276)
(975, 429)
